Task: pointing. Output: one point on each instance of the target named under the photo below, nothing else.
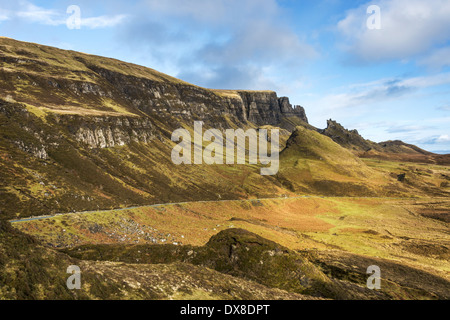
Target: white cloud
(427, 81)
(103, 21)
(380, 90)
(34, 14)
(409, 28)
(443, 138)
(360, 96)
(226, 43)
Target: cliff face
(266, 108)
(288, 111)
(107, 132)
(80, 132)
(99, 89)
(189, 102)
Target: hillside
(67, 82)
(82, 132)
(85, 151)
(313, 163)
(29, 271)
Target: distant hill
(388, 150)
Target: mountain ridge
(87, 84)
(112, 87)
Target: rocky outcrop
(29, 137)
(35, 138)
(107, 132)
(350, 139)
(288, 111)
(36, 151)
(262, 108)
(265, 108)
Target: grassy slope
(75, 177)
(27, 67)
(31, 271)
(313, 163)
(399, 232)
(78, 178)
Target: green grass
(29, 271)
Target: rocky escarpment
(288, 110)
(34, 136)
(350, 139)
(98, 88)
(107, 132)
(190, 102)
(67, 82)
(265, 108)
(52, 96)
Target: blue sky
(389, 83)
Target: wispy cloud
(435, 140)
(103, 21)
(31, 13)
(358, 95)
(35, 14)
(407, 128)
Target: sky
(381, 67)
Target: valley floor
(408, 238)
